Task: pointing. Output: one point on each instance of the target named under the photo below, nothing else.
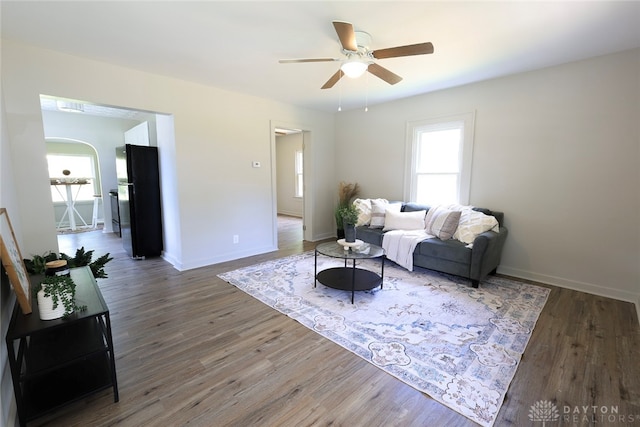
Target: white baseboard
(324, 236)
(575, 285)
(231, 256)
(290, 213)
(171, 260)
(589, 288)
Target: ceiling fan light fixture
(359, 58)
(354, 68)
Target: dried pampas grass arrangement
(347, 192)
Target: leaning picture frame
(13, 263)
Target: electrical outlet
(236, 238)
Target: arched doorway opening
(76, 187)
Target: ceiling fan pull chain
(366, 93)
(340, 94)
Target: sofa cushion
(442, 222)
(450, 250)
(412, 207)
(404, 220)
(370, 235)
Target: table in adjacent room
(70, 199)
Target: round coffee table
(349, 278)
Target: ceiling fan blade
(409, 50)
(384, 74)
(291, 61)
(333, 80)
(347, 35)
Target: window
(80, 166)
(299, 190)
(438, 160)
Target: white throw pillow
(364, 209)
(378, 209)
(403, 220)
(472, 223)
(442, 222)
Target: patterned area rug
(459, 345)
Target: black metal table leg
(353, 279)
(315, 268)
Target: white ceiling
(236, 45)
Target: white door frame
(307, 147)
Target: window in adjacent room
(438, 160)
(80, 166)
(299, 183)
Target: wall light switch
(256, 164)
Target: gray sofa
(452, 256)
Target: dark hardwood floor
(193, 350)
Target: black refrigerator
(139, 200)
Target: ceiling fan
(359, 58)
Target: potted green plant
(349, 215)
(83, 258)
(56, 297)
(37, 264)
(346, 193)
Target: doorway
(104, 128)
(290, 185)
(88, 132)
(74, 174)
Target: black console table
(56, 362)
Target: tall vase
(349, 233)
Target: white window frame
(466, 122)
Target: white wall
(558, 150)
(286, 147)
(8, 201)
(216, 193)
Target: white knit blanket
(400, 244)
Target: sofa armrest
(486, 253)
